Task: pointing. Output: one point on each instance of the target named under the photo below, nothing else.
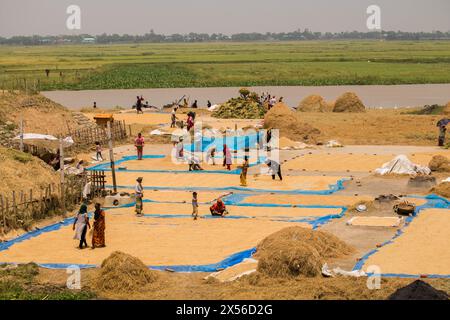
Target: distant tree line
(153, 37)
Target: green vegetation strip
(77, 67)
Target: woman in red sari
(98, 236)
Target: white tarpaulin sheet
(402, 165)
(38, 136)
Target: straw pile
(349, 102)
(446, 109)
(246, 106)
(442, 189)
(296, 251)
(289, 123)
(21, 172)
(439, 163)
(121, 272)
(314, 103)
(41, 115)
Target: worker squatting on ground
(218, 208)
(244, 169)
(139, 193)
(139, 144)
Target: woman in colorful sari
(139, 192)
(226, 157)
(244, 168)
(98, 237)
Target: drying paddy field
(330, 214)
(78, 67)
(214, 257)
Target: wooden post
(61, 168)
(2, 207)
(21, 133)
(111, 157)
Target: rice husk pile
(418, 290)
(314, 103)
(121, 272)
(442, 189)
(439, 163)
(241, 107)
(349, 102)
(296, 251)
(289, 123)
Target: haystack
(349, 102)
(296, 251)
(121, 272)
(21, 171)
(446, 109)
(246, 106)
(314, 103)
(442, 189)
(289, 123)
(439, 163)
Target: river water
(372, 96)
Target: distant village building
(88, 40)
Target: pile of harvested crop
(21, 172)
(418, 290)
(349, 102)
(246, 106)
(296, 251)
(121, 272)
(446, 109)
(314, 103)
(289, 123)
(439, 163)
(442, 189)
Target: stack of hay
(439, 163)
(246, 106)
(349, 102)
(446, 109)
(121, 272)
(288, 122)
(297, 251)
(314, 103)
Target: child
(194, 205)
(98, 150)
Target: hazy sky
(48, 17)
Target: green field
(226, 64)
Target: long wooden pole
(61, 168)
(21, 133)
(111, 157)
